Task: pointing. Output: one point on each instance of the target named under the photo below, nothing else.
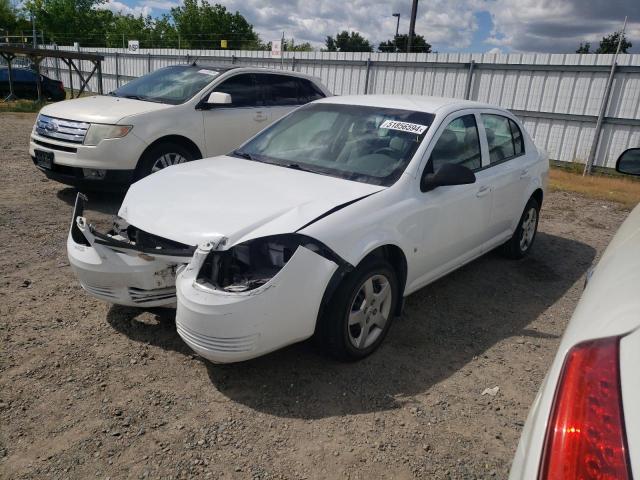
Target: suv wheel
(162, 156)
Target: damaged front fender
(118, 269)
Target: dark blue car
(25, 85)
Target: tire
(519, 245)
(161, 156)
(349, 304)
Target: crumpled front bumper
(119, 275)
(221, 326)
(231, 327)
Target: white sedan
(585, 420)
(320, 224)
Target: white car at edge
(170, 116)
(585, 420)
(321, 223)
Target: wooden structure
(36, 55)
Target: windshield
(366, 144)
(174, 85)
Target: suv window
(308, 91)
(242, 89)
(284, 90)
(503, 137)
(459, 143)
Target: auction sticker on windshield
(404, 126)
(208, 72)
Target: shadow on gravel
(103, 202)
(445, 325)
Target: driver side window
(459, 143)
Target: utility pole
(395, 39)
(412, 24)
(603, 107)
(33, 33)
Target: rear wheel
(162, 156)
(361, 311)
(522, 240)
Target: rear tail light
(585, 437)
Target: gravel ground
(90, 390)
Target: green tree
(65, 21)
(609, 44)
(584, 48)
(291, 46)
(399, 44)
(348, 42)
(202, 25)
(8, 16)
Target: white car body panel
(253, 322)
(609, 306)
(101, 109)
(215, 131)
(228, 200)
(282, 200)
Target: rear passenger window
(518, 141)
(459, 143)
(283, 89)
(308, 91)
(242, 90)
(503, 137)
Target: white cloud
(119, 7)
(559, 25)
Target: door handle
(524, 173)
(483, 191)
(259, 116)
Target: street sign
(223, 44)
(134, 46)
(276, 49)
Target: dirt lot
(89, 390)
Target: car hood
(233, 198)
(100, 108)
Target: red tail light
(585, 437)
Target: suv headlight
(251, 264)
(98, 132)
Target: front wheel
(521, 242)
(361, 312)
(162, 156)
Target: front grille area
(61, 129)
(141, 296)
(100, 291)
(53, 146)
(218, 344)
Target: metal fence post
(117, 71)
(149, 62)
(100, 90)
(467, 89)
(596, 135)
(57, 64)
(293, 63)
(366, 78)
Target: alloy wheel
(370, 311)
(528, 229)
(167, 160)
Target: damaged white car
(320, 224)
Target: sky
(554, 26)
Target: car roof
(442, 105)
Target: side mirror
(629, 162)
(447, 174)
(219, 98)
